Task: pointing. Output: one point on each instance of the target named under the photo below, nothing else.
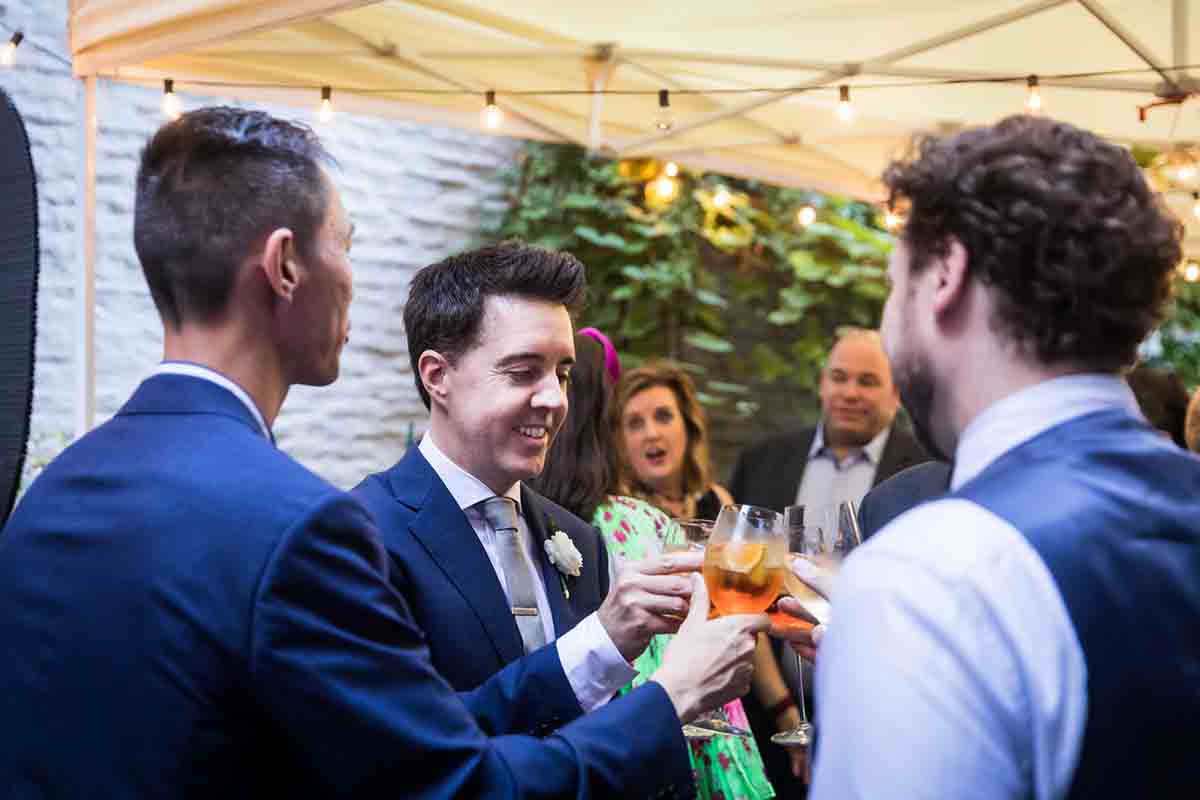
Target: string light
(671, 169)
(664, 188)
(8, 54)
(806, 216)
(492, 116)
(170, 102)
(1191, 273)
(845, 111)
(1033, 99)
(722, 197)
(664, 121)
(326, 112)
(1196, 204)
(892, 221)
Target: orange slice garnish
(743, 557)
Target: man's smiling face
(506, 397)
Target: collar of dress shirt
(465, 488)
(209, 374)
(1024, 414)
(872, 450)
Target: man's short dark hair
(444, 311)
(211, 186)
(1059, 224)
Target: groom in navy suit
(491, 345)
(189, 613)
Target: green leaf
(626, 292)
(609, 240)
(706, 341)
(579, 200)
(728, 388)
(806, 267)
(781, 316)
(710, 298)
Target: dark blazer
(189, 613)
(440, 567)
(902, 491)
(769, 473)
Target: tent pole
(85, 279)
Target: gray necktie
(501, 514)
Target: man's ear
(434, 369)
(950, 277)
(279, 264)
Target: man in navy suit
(189, 613)
(491, 344)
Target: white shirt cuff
(593, 665)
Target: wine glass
(803, 540)
(692, 535)
(746, 559)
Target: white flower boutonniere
(564, 555)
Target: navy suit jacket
(189, 613)
(441, 569)
(902, 491)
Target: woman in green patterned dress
(581, 475)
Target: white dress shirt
(951, 668)
(593, 665)
(211, 375)
(829, 480)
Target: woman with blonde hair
(663, 438)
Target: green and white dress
(725, 767)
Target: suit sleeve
(338, 667)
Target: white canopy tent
(753, 86)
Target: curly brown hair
(1057, 222)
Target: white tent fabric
(433, 60)
(887, 53)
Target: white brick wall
(416, 194)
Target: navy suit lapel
(535, 515)
(442, 528)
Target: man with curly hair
(1036, 633)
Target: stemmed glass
(692, 535)
(746, 559)
(818, 552)
(803, 540)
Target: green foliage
(739, 287)
(740, 293)
(1179, 337)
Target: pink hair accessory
(612, 362)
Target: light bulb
(1033, 100)
(671, 169)
(666, 188)
(806, 216)
(8, 53)
(663, 120)
(326, 112)
(892, 220)
(1196, 204)
(722, 197)
(492, 117)
(170, 102)
(1191, 273)
(845, 111)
